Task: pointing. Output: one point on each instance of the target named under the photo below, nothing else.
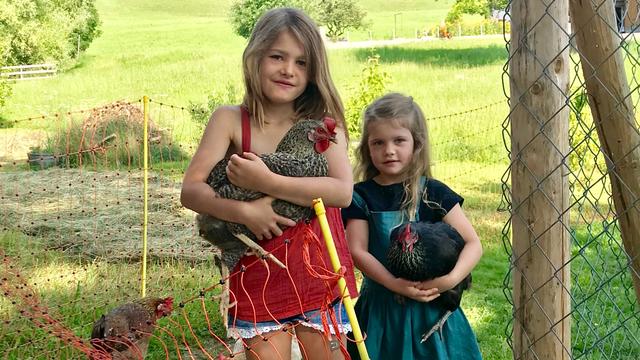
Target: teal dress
(394, 329)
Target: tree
(336, 15)
(46, 30)
(245, 13)
(480, 7)
(339, 16)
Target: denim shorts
(247, 329)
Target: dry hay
(16, 143)
(100, 214)
(96, 124)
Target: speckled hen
(299, 154)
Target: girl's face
(391, 149)
(283, 70)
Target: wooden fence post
(539, 80)
(613, 115)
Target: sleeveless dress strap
(246, 130)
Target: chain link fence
(572, 189)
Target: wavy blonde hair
(403, 111)
(320, 98)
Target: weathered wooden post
(609, 98)
(539, 78)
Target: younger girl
(286, 79)
(394, 164)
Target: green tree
(339, 16)
(480, 7)
(46, 30)
(245, 13)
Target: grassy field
(179, 54)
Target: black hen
(422, 251)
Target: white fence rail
(28, 72)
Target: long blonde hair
(320, 98)
(402, 111)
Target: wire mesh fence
(572, 185)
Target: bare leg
(276, 347)
(315, 346)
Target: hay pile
(100, 214)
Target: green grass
(178, 54)
(77, 292)
(78, 289)
(402, 17)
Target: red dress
(266, 292)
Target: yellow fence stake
(145, 195)
(318, 206)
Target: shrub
(585, 157)
(372, 85)
(200, 113)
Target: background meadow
(179, 53)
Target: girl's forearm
(200, 198)
(373, 269)
(467, 261)
(303, 190)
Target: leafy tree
(46, 30)
(339, 16)
(245, 13)
(336, 15)
(86, 26)
(480, 7)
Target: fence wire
(71, 214)
(602, 314)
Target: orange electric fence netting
(72, 210)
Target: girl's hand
(248, 171)
(410, 289)
(441, 284)
(263, 221)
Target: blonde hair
(402, 111)
(320, 98)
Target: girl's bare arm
(469, 257)
(335, 189)
(472, 251)
(198, 196)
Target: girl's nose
(389, 150)
(287, 68)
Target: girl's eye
(301, 63)
(276, 57)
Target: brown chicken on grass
(125, 331)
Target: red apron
(265, 292)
